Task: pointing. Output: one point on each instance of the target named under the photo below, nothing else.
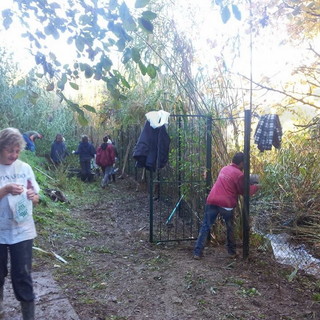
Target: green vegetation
(161, 68)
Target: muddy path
(115, 273)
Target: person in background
(17, 229)
(105, 159)
(86, 152)
(30, 137)
(58, 150)
(114, 169)
(222, 199)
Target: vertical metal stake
(246, 195)
(151, 206)
(209, 154)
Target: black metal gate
(178, 191)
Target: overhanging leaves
(236, 12)
(135, 54)
(92, 29)
(149, 15)
(141, 3)
(151, 71)
(126, 17)
(146, 25)
(89, 108)
(225, 14)
(74, 86)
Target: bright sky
(201, 21)
(209, 35)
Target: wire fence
(271, 220)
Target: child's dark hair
(238, 158)
(85, 138)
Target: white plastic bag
(20, 206)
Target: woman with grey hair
(18, 193)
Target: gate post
(209, 154)
(151, 206)
(246, 195)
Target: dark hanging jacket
(152, 148)
(268, 132)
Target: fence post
(151, 206)
(246, 195)
(209, 154)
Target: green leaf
(236, 12)
(113, 4)
(106, 63)
(21, 83)
(151, 71)
(7, 22)
(73, 106)
(60, 85)
(74, 86)
(126, 56)
(135, 54)
(121, 44)
(141, 3)
(89, 108)
(20, 94)
(85, 19)
(128, 22)
(7, 18)
(80, 44)
(149, 15)
(62, 82)
(225, 14)
(51, 30)
(82, 120)
(125, 82)
(88, 72)
(146, 25)
(39, 75)
(98, 74)
(143, 68)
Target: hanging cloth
(157, 118)
(268, 132)
(152, 148)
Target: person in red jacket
(105, 158)
(222, 200)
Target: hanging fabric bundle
(268, 132)
(152, 148)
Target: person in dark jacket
(58, 150)
(86, 152)
(222, 199)
(105, 159)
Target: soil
(115, 273)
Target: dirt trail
(124, 277)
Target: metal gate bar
(178, 191)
